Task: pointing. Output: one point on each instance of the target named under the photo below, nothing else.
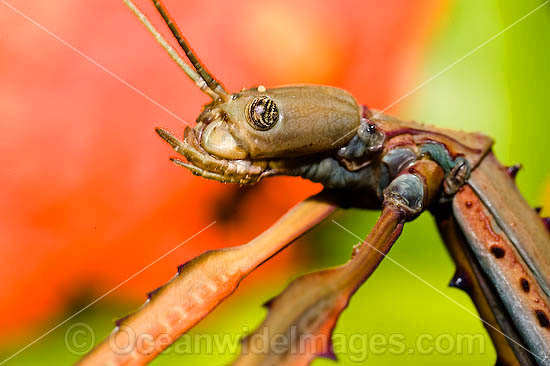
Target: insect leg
(517, 286)
(306, 312)
(200, 286)
(470, 277)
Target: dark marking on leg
(543, 318)
(525, 285)
(497, 251)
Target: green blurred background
(503, 90)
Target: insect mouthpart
(201, 162)
(216, 138)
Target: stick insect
(364, 159)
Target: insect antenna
(196, 77)
(209, 79)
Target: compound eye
(262, 113)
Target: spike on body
(513, 170)
(461, 281)
(121, 320)
(153, 293)
(245, 136)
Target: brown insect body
(327, 113)
(364, 159)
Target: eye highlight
(262, 113)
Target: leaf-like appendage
(199, 287)
(301, 319)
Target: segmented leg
(306, 312)
(301, 319)
(470, 278)
(199, 287)
(522, 295)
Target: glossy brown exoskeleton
(364, 159)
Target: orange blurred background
(89, 196)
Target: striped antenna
(201, 83)
(212, 83)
